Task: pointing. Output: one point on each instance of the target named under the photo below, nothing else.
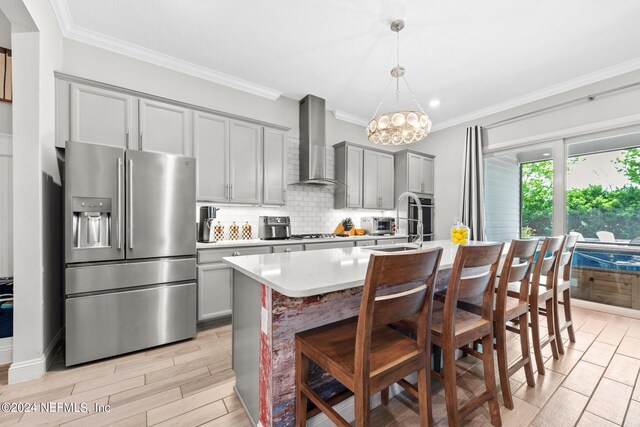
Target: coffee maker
(205, 223)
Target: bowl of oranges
(459, 234)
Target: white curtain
(472, 203)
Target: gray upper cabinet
(370, 182)
(427, 175)
(349, 170)
(245, 162)
(164, 127)
(378, 182)
(100, 116)
(385, 181)
(274, 166)
(211, 149)
(414, 164)
(414, 172)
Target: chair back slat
(397, 286)
(516, 268)
(570, 244)
(393, 307)
(472, 276)
(548, 263)
(473, 286)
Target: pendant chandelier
(400, 126)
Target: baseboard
(6, 350)
(605, 308)
(34, 368)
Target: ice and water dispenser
(91, 222)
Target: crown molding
(74, 32)
(350, 118)
(557, 89)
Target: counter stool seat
(334, 345)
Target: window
(536, 195)
(603, 194)
(584, 185)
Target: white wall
(37, 195)
(448, 144)
(5, 107)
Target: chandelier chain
(398, 67)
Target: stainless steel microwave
(378, 225)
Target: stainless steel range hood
(313, 168)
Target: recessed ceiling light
(434, 103)
(546, 154)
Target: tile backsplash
(310, 207)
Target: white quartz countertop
(258, 242)
(302, 274)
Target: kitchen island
(276, 296)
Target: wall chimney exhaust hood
(313, 168)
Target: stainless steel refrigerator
(130, 276)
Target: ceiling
(476, 57)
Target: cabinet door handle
(127, 140)
(287, 250)
(230, 191)
(140, 144)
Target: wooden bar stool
(364, 353)
(563, 286)
(472, 276)
(508, 309)
(541, 296)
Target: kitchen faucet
(419, 228)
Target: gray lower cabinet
(214, 291)
(328, 245)
(287, 248)
(392, 241)
(215, 280)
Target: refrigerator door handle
(130, 207)
(120, 203)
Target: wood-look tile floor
(182, 384)
(191, 383)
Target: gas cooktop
(314, 236)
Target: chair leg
(302, 376)
(553, 338)
(526, 351)
(535, 335)
(384, 396)
(556, 323)
(424, 398)
(503, 366)
(490, 380)
(362, 405)
(450, 387)
(566, 298)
